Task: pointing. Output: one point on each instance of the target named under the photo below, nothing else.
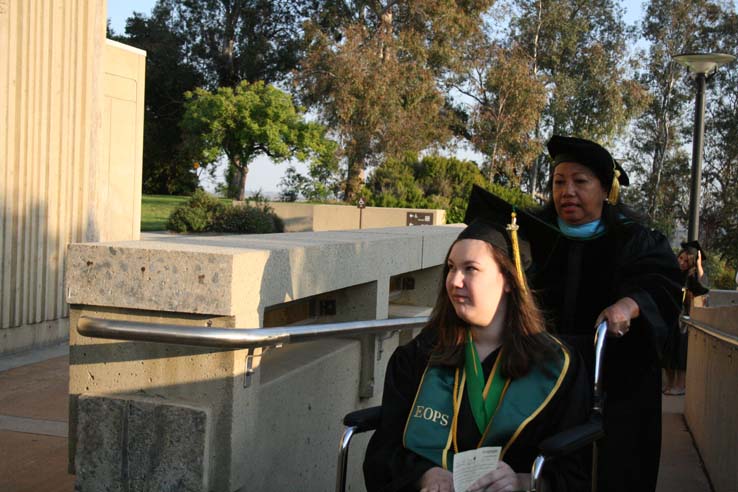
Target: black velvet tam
(589, 154)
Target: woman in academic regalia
(606, 265)
(483, 372)
(693, 275)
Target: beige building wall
(59, 181)
(122, 142)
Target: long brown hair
(523, 333)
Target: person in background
(606, 265)
(693, 275)
(483, 372)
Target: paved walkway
(33, 430)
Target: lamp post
(702, 66)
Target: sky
(263, 174)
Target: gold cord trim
(458, 392)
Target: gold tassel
(614, 194)
(513, 228)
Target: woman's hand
(619, 315)
(700, 270)
(501, 478)
(436, 479)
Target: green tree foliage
(433, 182)
(246, 121)
(373, 75)
(235, 40)
(324, 182)
(719, 215)
(508, 102)
(168, 75)
(579, 49)
(657, 150)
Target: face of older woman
(578, 194)
(475, 284)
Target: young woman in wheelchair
(483, 372)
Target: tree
(657, 149)
(246, 121)
(373, 76)
(433, 182)
(168, 76)
(235, 40)
(508, 102)
(323, 182)
(579, 49)
(719, 215)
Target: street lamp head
(703, 63)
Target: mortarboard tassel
(614, 194)
(513, 228)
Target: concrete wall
(711, 399)
(277, 429)
(723, 298)
(62, 179)
(303, 217)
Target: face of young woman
(578, 194)
(474, 284)
(683, 260)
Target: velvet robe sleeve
(388, 466)
(649, 274)
(572, 407)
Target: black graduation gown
(389, 466)
(579, 280)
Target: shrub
(196, 214)
(206, 213)
(247, 219)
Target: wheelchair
(560, 444)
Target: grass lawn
(155, 210)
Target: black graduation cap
(587, 153)
(694, 245)
(487, 212)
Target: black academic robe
(389, 466)
(579, 279)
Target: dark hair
(691, 258)
(523, 334)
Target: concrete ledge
(182, 273)
(719, 298)
(723, 317)
(132, 445)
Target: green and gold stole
(502, 408)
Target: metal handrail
(238, 338)
(709, 330)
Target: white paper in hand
(472, 464)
